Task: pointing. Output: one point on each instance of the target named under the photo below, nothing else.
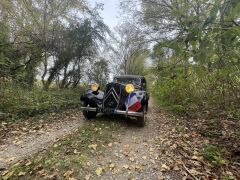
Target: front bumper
(126, 113)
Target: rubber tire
(141, 120)
(89, 114)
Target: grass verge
(212, 154)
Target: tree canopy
(195, 52)
(50, 40)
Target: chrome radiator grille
(112, 96)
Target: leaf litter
(168, 147)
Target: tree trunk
(45, 63)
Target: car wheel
(89, 114)
(141, 120)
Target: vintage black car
(126, 95)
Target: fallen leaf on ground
(125, 153)
(176, 168)
(29, 163)
(99, 171)
(111, 166)
(131, 159)
(52, 176)
(144, 157)
(145, 144)
(17, 142)
(75, 151)
(68, 173)
(93, 146)
(126, 166)
(87, 177)
(10, 159)
(174, 146)
(137, 167)
(21, 173)
(152, 161)
(71, 178)
(194, 172)
(164, 167)
(42, 173)
(7, 175)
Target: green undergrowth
(17, 102)
(70, 156)
(212, 154)
(204, 95)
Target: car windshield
(134, 81)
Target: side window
(144, 84)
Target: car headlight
(129, 88)
(94, 87)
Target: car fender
(94, 99)
(142, 96)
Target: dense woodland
(193, 62)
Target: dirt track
(22, 144)
(168, 147)
(140, 153)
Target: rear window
(134, 81)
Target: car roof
(130, 76)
